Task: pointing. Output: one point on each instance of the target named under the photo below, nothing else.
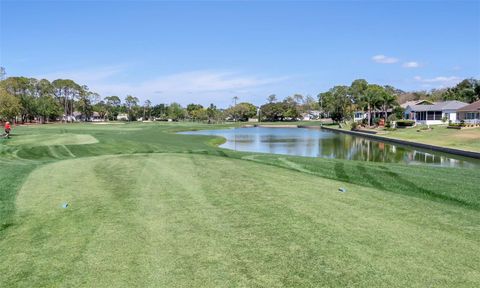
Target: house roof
(454, 105)
(439, 106)
(415, 102)
(475, 106)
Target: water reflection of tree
(341, 146)
(363, 149)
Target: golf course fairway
(151, 208)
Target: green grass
(152, 208)
(465, 139)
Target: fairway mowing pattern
(188, 220)
(52, 139)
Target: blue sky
(206, 52)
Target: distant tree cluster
(342, 101)
(30, 99)
(467, 91)
(291, 108)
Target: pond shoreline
(459, 152)
(454, 151)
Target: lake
(330, 144)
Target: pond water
(330, 144)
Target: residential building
(358, 116)
(311, 115)
(122, 117)
(436, 113)
(469, 113)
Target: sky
(210, 51)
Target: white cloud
(84, 76)
(440, 81)
(411, 64)
(206, 81)
(204, 86)
(384, 59)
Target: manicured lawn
(151, 208)
(465, 139)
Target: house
(96, 117)
(311, 115)
(69, 118)
(358, 116)
(415, 102)
(408, 113)
(469, 113)
(79, 116)
(122, 117)
(435, 113)
(377, 113)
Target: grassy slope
(465, 139)
(254, 225)
(160, 220)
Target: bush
(461, 124)
(398, 112)
(354, 126)
(456, 124)
(405, 123)
(392, 117)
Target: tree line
(30, 99)
(342, 101)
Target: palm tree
(235, 98)
(371, 98)
(146, 106)
(357, 91)
(272, 98)
(387, 101)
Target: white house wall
(452, 115)
(429, 122)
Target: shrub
(424, 128)
(392, 117)
(354, 126)
(456, 124)
(405, 123)
(398, 112)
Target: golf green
(147, 207)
